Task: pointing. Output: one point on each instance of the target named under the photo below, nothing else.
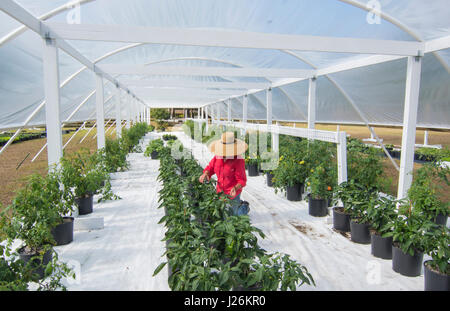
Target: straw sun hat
(228, 146)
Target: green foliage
(322, 181)
(80, 172)
(432, 154)
(410, 231)
(169, 137)
(160, 114)
(425, 192)
(381, 214)
(15, 275)
(155, 145)
(37, 208)
(437, 246)
(207, 247)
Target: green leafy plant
(437, 246)
(160, 115)
(15, 275)
(426, 192)
(381, 214)
(410, 230)
(169, 137)
(207, 247)
(36, 209)
(322, 181)
(81, 173)
(155, 145)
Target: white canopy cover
(190, 53)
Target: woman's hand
(233, 192)
(202, 178)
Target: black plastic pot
(253, 170)
(341, 220)
(63, 233)
(294, 193)
(269, 179)
(440, 219)
(360, 232)
(317, 207)
(406, 264)
(85, 205)
(435, 281)
(37, 264)
(154, 155)
(381, 247)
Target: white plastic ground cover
(334, 261)
(377, 90)
(123, 255)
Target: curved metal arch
(19, 30)
(400, 25)
(354, 3)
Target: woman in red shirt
(229, 167)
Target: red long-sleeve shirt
(229, 173)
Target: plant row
(206, 247)
(402, 230)
(40, 215)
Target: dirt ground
(12, 174)
(389, 135)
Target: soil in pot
(36, 263)
(154, 155)
(269, 177)
(253, 170)
(380, 247)
(440, 219)
(434, 279)
(341, 220)
(406, 264)
(85, 204)
(294, 193)
(360, 232)
(63, 233)
(317, 207)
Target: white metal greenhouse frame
(54, 36)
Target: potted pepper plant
(408, 236)
(290, 175)
(34, 214)
(426, 192)
(80, 173)
(437, 270)
(320, 184)
(154, 148)
(382, 213)
(252, 163)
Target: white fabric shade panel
(377, 90)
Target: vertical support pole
(409, 124)
(118, 114)
(244, 112)
(128, 115)
(425, 138)
(52, 100)
(276, 138)
(269, 107)
(206, 119)
(312, 103)
(342, 156)
(100, 113)
(149, 116)
(218, 112)
(229, 109)
(245, 109)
